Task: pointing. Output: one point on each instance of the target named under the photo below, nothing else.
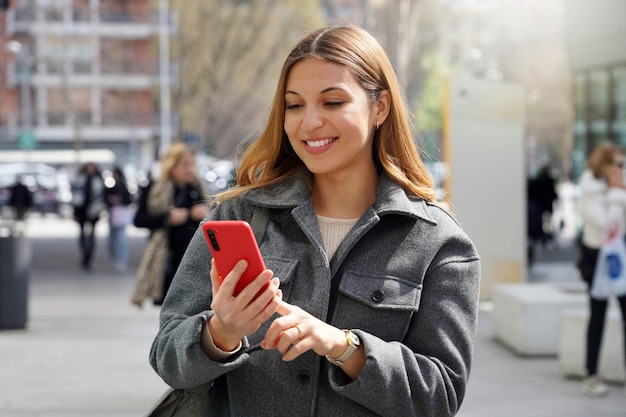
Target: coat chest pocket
(381, 305)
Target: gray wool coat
(405, 279)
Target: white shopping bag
(121, 215)
(610, 274)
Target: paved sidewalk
(85, 350)
(503, 384)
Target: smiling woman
(373, 296)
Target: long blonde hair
(270, 158)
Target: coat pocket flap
(386, 292)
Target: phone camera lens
(213, 240)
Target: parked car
(50, 187)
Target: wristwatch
(353, 344)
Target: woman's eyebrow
(326, 90)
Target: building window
(599, 94)
(619, 92)
(580, 96)
(619, 103)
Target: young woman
(602, 202)
(374, 289)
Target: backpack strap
(259, 221)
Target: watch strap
(353, 345)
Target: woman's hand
(298, 331)
(199, 211)
(178, 216)
(236, 317)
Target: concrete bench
(572, 345)
(526, 317)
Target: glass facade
(600, 110)
(619, 104)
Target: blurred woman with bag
(602, 206)
(179, 199)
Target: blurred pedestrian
(178, 199)
(543, 192)
(534, 223)
(120, 215)
(541, 195)
(378, 299)
(88, 203)
(602, 203)
(21, 198)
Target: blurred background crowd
(507, 97)
(115, 82)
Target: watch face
(354, 339)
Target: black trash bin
(15, 260)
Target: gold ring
(299, 332)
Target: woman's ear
(383, 105)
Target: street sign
(27, 140)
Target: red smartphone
(230, 241)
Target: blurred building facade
(85, 75)
(348, 11)
(596, 37)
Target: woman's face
(328, 118)
(184, 171)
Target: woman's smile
(317, 146)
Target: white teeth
(318, 143)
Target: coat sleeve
(176, 354)
(600, 207)
(427, 373)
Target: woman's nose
(312, 119)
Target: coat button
(378, 296)
(303, 376)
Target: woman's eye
(334, 103)
(291, 106)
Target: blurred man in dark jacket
(21, 198)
